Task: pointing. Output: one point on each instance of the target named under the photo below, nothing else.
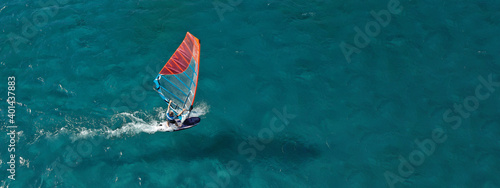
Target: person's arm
(181, 112)
(168, 108)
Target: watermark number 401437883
(11, 126)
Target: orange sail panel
(179, 62)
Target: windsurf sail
(178, 79)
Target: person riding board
(171, 116)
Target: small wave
(24, 162)
(200, 110)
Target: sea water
(292, 93)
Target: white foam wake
(135, 123)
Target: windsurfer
(171, 116)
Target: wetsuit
(171, 119)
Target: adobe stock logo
(221, 7)
(453, 117)
(372, 29)
(248, 148)
(40, 18)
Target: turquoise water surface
(293, 93)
